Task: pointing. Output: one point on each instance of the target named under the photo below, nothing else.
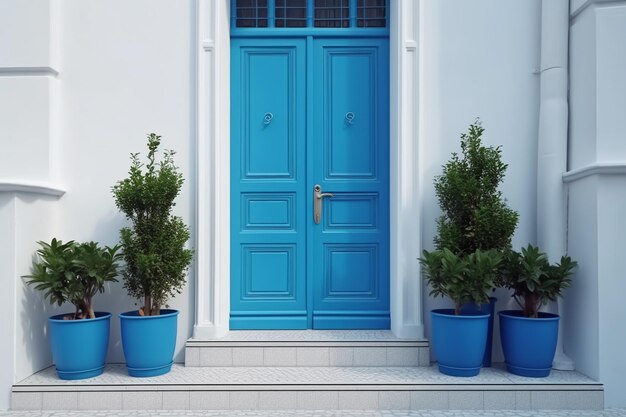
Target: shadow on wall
(33, 320)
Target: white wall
(27, 92)
(126, 70)
(595, 337)
(479, 60)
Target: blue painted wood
(350, 158)
(304, 112)
(268, 243)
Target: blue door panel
(306, 112)
(351, 161)
(268, 248)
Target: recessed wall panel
(350, 271)
(269, 130)
(350, 105)
(269, 271)
(354, 211)
(268, 211)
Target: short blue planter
(484, 308)
(529, 344)
(149, 342)
(79, 347)
(459, 341)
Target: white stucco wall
(127, 69)
(28, 170)
(594, 335)
(467, 72)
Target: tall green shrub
(475, 215)
(154, 244)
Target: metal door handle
(318, 198)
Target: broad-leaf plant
(74, 272)
(533, 279)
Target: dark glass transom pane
(291, 13)
(371, 13)
(332, 14)
(251, 14)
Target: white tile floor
(291, 413)
(115, 374)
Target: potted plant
(75, 273)
(459, 337)
(528, 336)
(156, 259)
(474, 213)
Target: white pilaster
(406, 288)
(213, 171)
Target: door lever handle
(318, 199)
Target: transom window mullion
(352, 13)
(271, 13)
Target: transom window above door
(315, 14)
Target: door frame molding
(212, 169)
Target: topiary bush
(474, 213)
(154, 244)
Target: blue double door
(309, 183)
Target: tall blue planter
(79, 347)
(149, 342)
(528, 344)
(484, 308)
(459, 341)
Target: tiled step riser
(273, 356)
(309, 400)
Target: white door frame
(212, 232)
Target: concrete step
(307, 388)
(274, 348)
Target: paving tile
(217, 356)
(321, 413)
(394, 400)
(192, 356)
(430, 400)
(318, 400)
(272, 400)
(341, 356)
(522, 400)
(244, 400)
(142, 400)
(358, 400)
(115, 374)
(312, 356)
(176, 400)
(26, 400)
(209, 400)
(100, 400)
(374, 356)
(60, 401)
(424, 356)
(466, 400)
(402, 356)
(549, 400)
(499, 400)
(279, 356)
(247, 356)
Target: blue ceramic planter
(149, 342)
(459, 341)
(484, 308)
(528, 343)
(79, 347)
